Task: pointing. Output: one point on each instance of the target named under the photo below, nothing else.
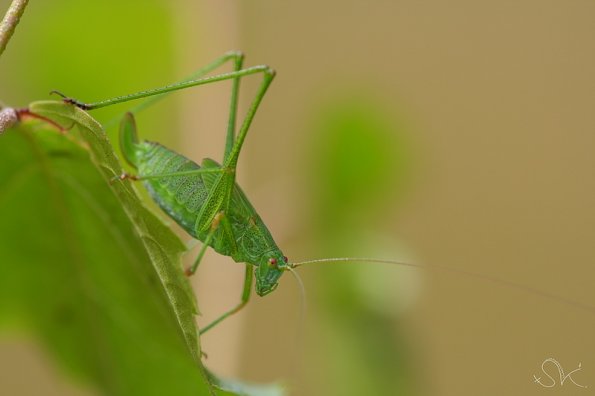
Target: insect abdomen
(181, 197)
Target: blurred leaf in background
(76, 274)
(91, 51)
(360, 159)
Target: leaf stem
(10, 21)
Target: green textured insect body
(204, 199)
(237, 232)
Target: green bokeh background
(450, 133)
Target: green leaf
(245, 389)
(163, 246)
(88, 269)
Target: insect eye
(273, 261)
(285, 258)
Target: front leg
(129, 176)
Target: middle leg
(244, 300)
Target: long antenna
(493, 279)
(296, 361)
(303, 303)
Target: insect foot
(123, 176)
(8, 117)
(71, 101)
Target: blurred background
(454, 134)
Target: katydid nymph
(204, 199)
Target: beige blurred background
(482, 118)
